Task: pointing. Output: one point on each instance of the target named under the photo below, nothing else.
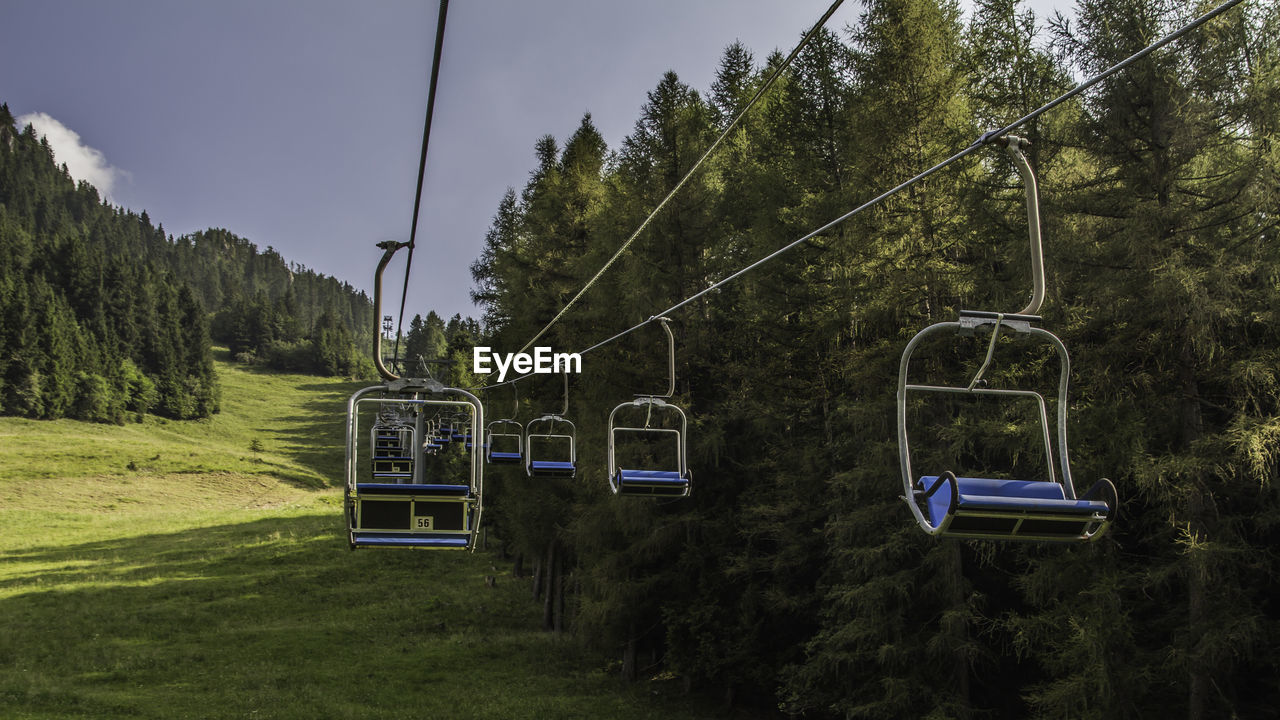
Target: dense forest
(103, 316)
(793, 578)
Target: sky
(297, 124)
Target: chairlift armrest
(947, 477)
(1103, 490)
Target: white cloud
(83, 162)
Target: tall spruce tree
(1176, 203)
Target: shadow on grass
(315, 437)
(273, 618)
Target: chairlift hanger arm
(671, 360)
(564, 407)
(1013, 145)
(389, 248)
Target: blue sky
(297, 123)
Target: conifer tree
(1175, 205)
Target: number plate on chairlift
(424, 522)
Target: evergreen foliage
(793, 578)
(104, 317)
(273, 312)
(95, 326)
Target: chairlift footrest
(454, 541)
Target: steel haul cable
(689, 174)
(422, 164)
(979, 143)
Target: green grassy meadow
(178, 570)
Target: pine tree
(1174, 203)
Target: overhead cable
(985, 139)
(422, 163)
(759, 93)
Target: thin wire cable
(985, 139)
(759, 93)
(422, 165)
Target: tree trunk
(1198, 682)
(557, 608)
(1192, 429)
(549, 579)
(629, 659)
(959, 632)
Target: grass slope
(166, 570)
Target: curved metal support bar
(1064, 377)
(1013, 145)
(515, 401)
(671, 359)
(904, 453)
(564, 408)
(389, 248)
(991, 351)
(477, 459)
(351, 435)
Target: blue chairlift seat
(650, 482)
(413, 540)
(1012, 509)
(505, 458)
(552, 468)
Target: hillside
(167, 570)
(104, 316)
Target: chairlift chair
(391, 441)
(422, 512)
(658, 480)
(541, 463)
(1041, 509)
(501, 434)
